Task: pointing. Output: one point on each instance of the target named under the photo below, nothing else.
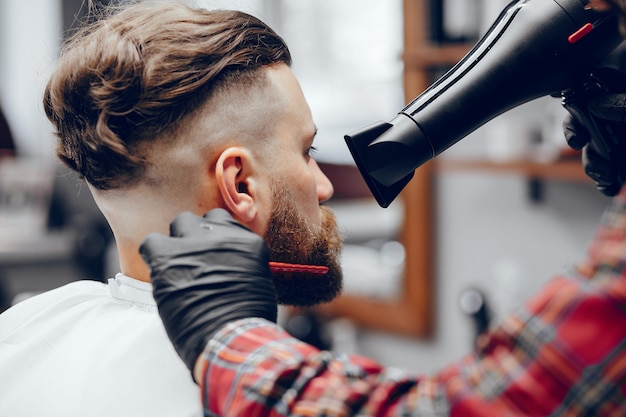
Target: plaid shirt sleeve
(562, 354)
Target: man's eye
(311, 150)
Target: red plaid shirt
(562, 354)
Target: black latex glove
(210, 271)
(597, 125)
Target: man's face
(299, 230)
(293, 239)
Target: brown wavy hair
(136, 73)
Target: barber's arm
(215, 295)
(216, 298)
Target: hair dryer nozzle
(387, 154)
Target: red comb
(296, 268)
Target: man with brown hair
(164, 108)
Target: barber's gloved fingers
(609, 190)
(601, 171)
(213, 237)
(212, 270)
(221, 216)
(576, 135)
(152, 245)
(613, 78)
(158, 250)
(189, 224)
(611, 107)
(186, 224)
(156, 245)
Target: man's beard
(292, 239)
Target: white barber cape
(91, 349)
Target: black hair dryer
(535, 48)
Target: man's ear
(234, 174)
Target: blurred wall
(29, 41)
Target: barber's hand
(210, 271)
(598, 127)
(607, 175)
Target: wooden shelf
(564, 170)
(431, 55)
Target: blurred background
(476, 233)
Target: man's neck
(132, 263)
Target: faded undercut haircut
(137, 72)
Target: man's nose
(325, 189)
